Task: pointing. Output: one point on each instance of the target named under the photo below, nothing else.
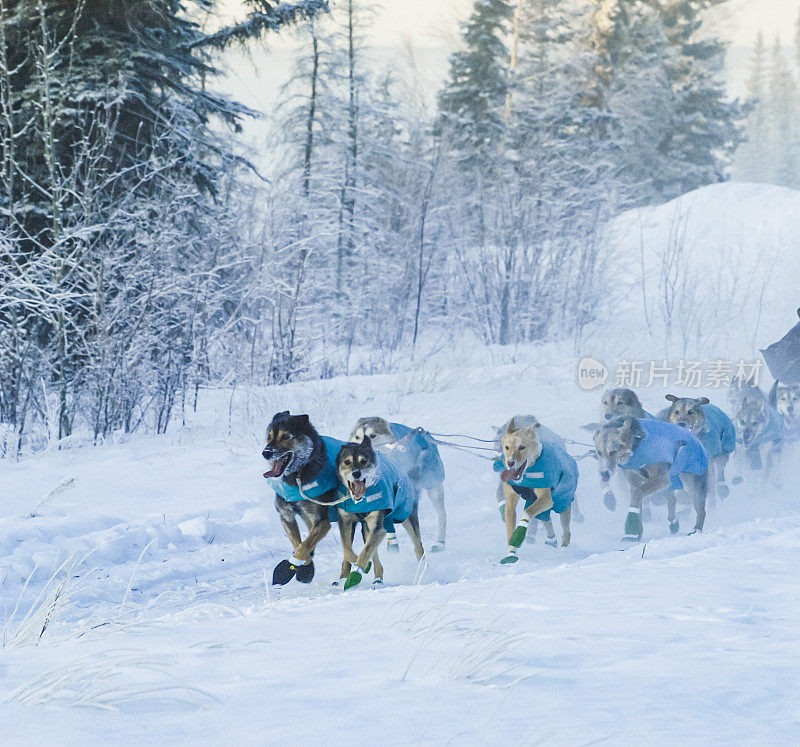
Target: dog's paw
(694, 531)
(437, 546)
(723, 491)
(674, 526)
(738, 480)
(378, 582)
(284, 572)
(510, 558)
(578, 516)
(305, 573)
(354, 579)
(633, 525)
(610, 500)
(392, 545)
(551, 542)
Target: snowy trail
(681, 637)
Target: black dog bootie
(284, 572)
(305, 573)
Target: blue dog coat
(773, 433)
(554, 469)
(394, 491)
(326, 480)
(416, 452)
(670, 443)
(720, 434)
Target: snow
(158, 623)
(683, 638)
(736, 270)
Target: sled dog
(302, 471)
(621, 403)
(617, 403)
(545, 435)
(376, 495)
(543, 475)
(655, 456)
(786, 400)
(760, 431)
(712, 427)
(414, 451)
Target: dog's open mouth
(278, 466)
(357, 488)
(514, 474)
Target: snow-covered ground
(165, 614)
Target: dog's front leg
(288, 521)
(639, 488)
(347, 528)
(543, 502)
(774, 466)
(512, 498)
(566, 534)
(375, 535)
(315, 535)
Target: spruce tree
(474, 97)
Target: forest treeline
(142, 256)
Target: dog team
(375, 480)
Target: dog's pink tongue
(277, 468)
(512, 474)
(358, 488)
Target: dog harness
(554, 469)
(326, 480)
(672, 444)
(720, 434)
(394, 491)
(415, 451)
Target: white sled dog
(413, 451)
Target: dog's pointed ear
(671, 398)
(280, 415)
(367, 441)
(512, 426)
(304, 420)
(705, 401)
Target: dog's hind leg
(674, 524)
(437, 498)
(551, 533)
(698, 488)
(377, 567)
(566, 535)
(723, 491)
(412, 527)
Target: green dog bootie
(510, 558)
(633, 524)
(518, 537)
(354, 579)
